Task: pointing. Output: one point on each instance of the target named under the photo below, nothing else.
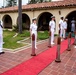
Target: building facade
(43, 12)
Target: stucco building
(43, 12)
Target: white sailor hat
(34, 18)
(61, 17)
(52, 16)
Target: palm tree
(49, 0)
(20, 15)
(11, 3)
(40, 1)
(32, 1)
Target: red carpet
(36, 64)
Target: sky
(23, 2)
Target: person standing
(33, 30)
(52, 28)
(73, 22)
(65, 28)
(1, 38)
(61, 27)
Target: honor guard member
(52, 28)
(1, 38)
(61, 27)
(73, 22)
(65, 28)
(33, 30)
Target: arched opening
(7, 21)
(43, 21)
(25, 21)
(70, 17)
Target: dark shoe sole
(2, 53)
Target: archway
(25, 21)
(70, 16)
(7, 21)
(43, 21)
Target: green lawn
(42, 36)
(11, 42)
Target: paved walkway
(66, 67)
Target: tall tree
(50, 0)
(40, 1)
(32, 1)
(11, 3)
(20, 15)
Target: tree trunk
(20, 16)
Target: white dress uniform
(73, 25)
(1, 37)
(52, 29)
(33, 28)
(61, 27)
(65, 28)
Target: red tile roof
(43, 5)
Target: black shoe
(65, 38)
(2, 53)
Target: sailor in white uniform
(52, 28)
(33, 30)
(1, 38)
(73, 22)
(65, 28)
(61, 27)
